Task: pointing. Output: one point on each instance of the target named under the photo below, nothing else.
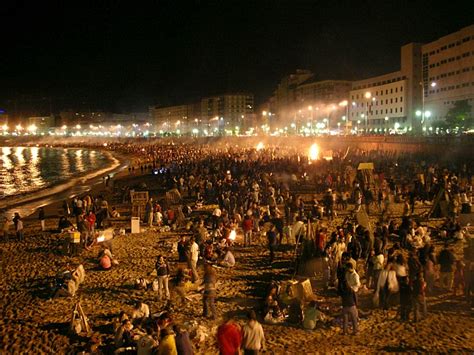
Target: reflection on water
(25, 169)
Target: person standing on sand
(253, 337)
(349, 307)
(6, 227)
(229, 337)
(271, 237)
(193, 258)
(247, 226)
(66, 209)
(149, 212)
(18, 226)
(209, 296)
(446, 261)
(163, 273)
(42, 218)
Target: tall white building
(431, 79)
(448, 73)
(388, 102)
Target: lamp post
(423, 113)
(367, 95)
(370, 100)
(345, 104)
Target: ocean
(28, 173)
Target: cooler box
(135, 227)
(75, 237)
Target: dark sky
(125, 55)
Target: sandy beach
(31, 322)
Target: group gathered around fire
(233, 198)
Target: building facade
(170, 118)
(42, 123)
(432, 78)
(388, 102)
(447, 74)
(284, 102)
(227, 112)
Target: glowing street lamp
(423, 113)
(32, 128)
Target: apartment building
(231, 112)
(432, 78)
(388, 102)
(447, 74)
(312, 92)
(170, 118)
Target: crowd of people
(275, 197)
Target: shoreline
(27, 204)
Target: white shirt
(194, 252)
(378, 261)
(252, 336)
(353, 280)
(229, 259)
(142, 312)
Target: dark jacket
(162, 269)
(348, 296)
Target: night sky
(126, 55)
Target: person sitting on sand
(141, 311)
(312, 316)
(147, 344)
(105, 260)
(164, 320)
(123, 335)
(271, 308)
(167, 342)
(117, 322)
(179, 288)
(229, 259)
(183, 343)
(114, 213)
(67, 287)
(64, 224)
(209, 254)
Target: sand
(33, 323)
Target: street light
(423, 113)
(368, 96)
(345, 104)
